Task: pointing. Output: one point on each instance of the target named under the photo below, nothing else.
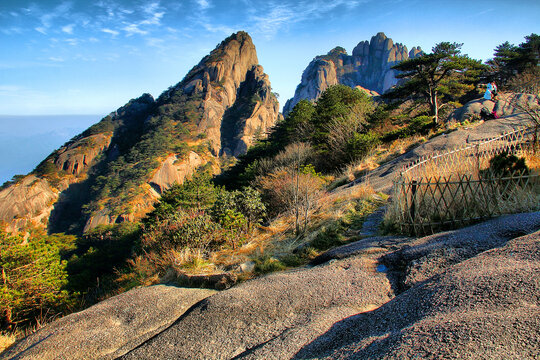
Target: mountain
(369, 67)
(117, 168)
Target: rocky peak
(369, 67)
(222, 105)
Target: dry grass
(380, 155)
(6, 340)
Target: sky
(91, 57)
(75, 57)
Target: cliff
(369, 67)
(115, 170)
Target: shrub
(267, 265)
(33, 279)
(331, 236)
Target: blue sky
(91, 57)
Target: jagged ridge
(369, 67)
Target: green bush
(331, 236)
(33, 279)
(505, 165)
(418, 125)
(267, 265)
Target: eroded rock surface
(486, 307)
(110, 328)
(271, 317)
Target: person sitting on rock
(491, 91)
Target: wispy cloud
(12, 30)
(68, 29)
(275, 15)
(204, 4)
(110, 31)
(132, 29)
(41, 29)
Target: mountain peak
(369, 66)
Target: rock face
(369, 67)
(220, 108)
(267, 318)
(237, 101)
(112, 327)
(27, 203)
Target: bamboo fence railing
(457, 187)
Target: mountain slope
(115, 170)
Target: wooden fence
(457, 187)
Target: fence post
(477, 154)
(414, 185)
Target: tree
(510, 60)
(293, 186)
(525, 98)
(33, 277)
(445, 71)
(246, 203)
(196, 193)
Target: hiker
(491, 91)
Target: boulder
(486, 307)
(111, 328)
(505, 105)
(271, 317)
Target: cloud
(68, 29)
(204, 4)
(56, 59)
(12, 30)
(72, 42)
(41, 29)
(274, 16)
(114, 33)
(60, 11)
(132, 29)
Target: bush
(267, 265)
(330, 237)
(505, 165)
(418, 125)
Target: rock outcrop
(369, 67)
(504, 105)
(27, 203)
(112, 327)
(482, 308)
(237, 100)
(220, 108)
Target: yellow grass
(6, 340)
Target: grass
(380, 155)
(275, 247)
(6, 340)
